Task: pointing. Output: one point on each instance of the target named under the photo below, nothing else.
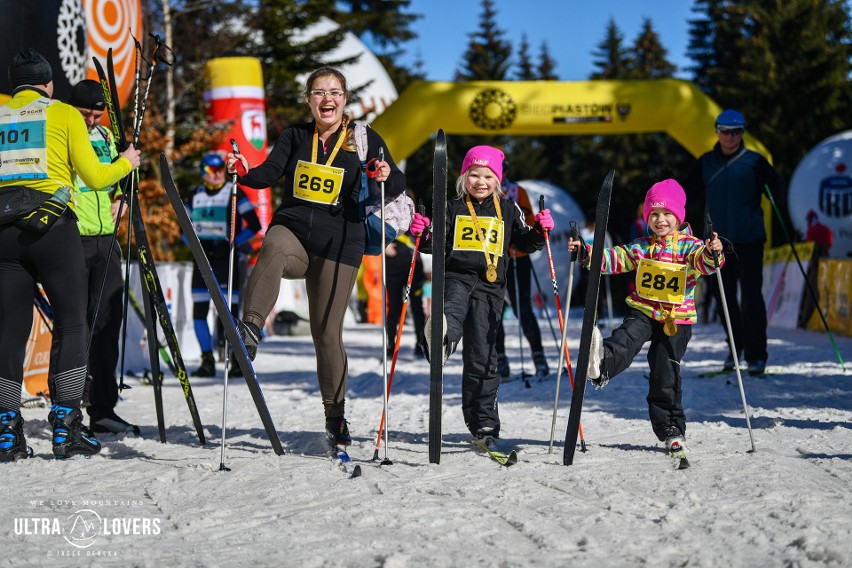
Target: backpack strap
(361, 145)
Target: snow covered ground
(143, 503)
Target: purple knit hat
(488, 156)
(667, 194)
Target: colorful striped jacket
(680, 247)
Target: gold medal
(491, 273)
(490, 261)
(670, 327)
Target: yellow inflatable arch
(523, 108)
(520, 108)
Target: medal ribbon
(491, 262)
(669, 327)
(336, 146)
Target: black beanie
(87, 94)
(29, 67)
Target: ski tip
(356, 472)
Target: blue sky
(572, 29)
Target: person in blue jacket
(210, 210)
(731, 179)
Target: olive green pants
(329, 286)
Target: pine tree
(784, 64)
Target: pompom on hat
(667, 194)
(29, 67)
(487, 156)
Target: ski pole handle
(710, 230)
(238, 165)
(575, 236)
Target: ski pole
(564, 347)
(814, 297)
(730, 333)
(232, 233)
(405, 295)
(385, 394)
(544, 307)
(518, 313)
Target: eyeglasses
(320, 94)
(730, 131)
(213, 169)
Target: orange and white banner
(37, 357)
(236, 95)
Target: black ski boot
(337, 430)
(208, 366)
(70, 436)
(234, 369)
(13, 445)
(504, 373)
(542, 370)
(110, 423)
(250, 335)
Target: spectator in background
(731, 180)
(819, 234)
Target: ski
(678, 457)
(222, 309)
(589, 314)
(341, 457)
(712, 374)
(502, 458)
(155, 304)
(439, 221)
(164, 355)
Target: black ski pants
(742, 277)
(103, 356)
(665, 392)
(521, 297)
(55, 259)
(476, 317)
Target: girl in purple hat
(661, 308)
(481, 224)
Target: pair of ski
(155, 307)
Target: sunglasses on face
(730, 131)
(214, 169)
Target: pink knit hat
(667, 194)
(488, 156)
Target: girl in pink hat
(661, 308)
(481, 224)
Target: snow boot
(504, 372)
(110, 423)
(208, 366)
(542, 370)
(596, 356)
(250, 335)
(70, 436)
(757, 368)
(13, 445)
(449, 348)
(337, 430)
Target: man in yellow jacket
(43, 142)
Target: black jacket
(469, 266)
(335, 232)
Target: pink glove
(419, 224)
(544, 220)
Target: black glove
(581, 250)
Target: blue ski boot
(70, 436)
(13, 445)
